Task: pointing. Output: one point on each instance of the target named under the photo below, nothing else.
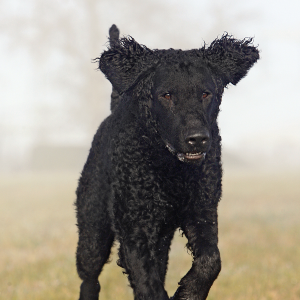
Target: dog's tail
(114, 34)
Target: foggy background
(52, 99)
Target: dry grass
(259, 241)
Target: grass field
(259, 241)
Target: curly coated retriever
(155, 166)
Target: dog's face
(185, 104)
(185, 89)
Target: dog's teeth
(193, 154)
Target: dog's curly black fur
(155, 166)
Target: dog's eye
(205, 95)
(167, 96)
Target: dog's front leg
(137, 258)
(201, 230)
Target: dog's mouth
(188, 156)
(191, 156)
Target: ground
(259, 240)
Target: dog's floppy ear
(231, 58)
(125, 62)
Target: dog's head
(185, 87)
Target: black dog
(155, 166)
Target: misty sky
(260, 114)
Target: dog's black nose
(198, 138)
